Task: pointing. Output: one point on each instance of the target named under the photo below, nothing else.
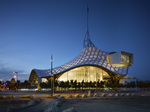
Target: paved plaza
(80, 103)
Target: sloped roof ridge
(88, 56)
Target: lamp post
(52, 78)
(96, 80)
(15, 76)
(17, 79)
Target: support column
(38, 86)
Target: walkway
(38, 107)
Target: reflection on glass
(125, 58)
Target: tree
(79, 85)
(97, 83)
(75, 85)
(18, 84)
(62, 84)
(86, 84)
(71, 83)
(12, 84)
(93, 84)
(26, 83)
(44, 85)
(7, 84)
(100, 84)
(0, 83)
(90, 84)
(67, 84)
(56, 84)
(132, 84)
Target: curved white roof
(88, 56)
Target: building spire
(87, 17)
(87, 41)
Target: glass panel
(86, 73)
(125, 58)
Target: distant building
(128, 79)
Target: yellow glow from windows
(86, 73)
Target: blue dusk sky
(32, 30)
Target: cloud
(6, 73)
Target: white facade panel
(115, 58)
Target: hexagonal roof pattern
(88, 56)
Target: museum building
(92, 64)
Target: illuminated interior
(44, 80)
(120, 59)
(86, 73)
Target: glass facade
(44, 80)
(86, 73)
(125, 58)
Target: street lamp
(17, 78)
(96, 80)
(52, 79)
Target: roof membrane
(88, 56)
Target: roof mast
(87, 41)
